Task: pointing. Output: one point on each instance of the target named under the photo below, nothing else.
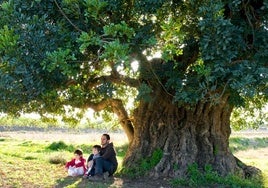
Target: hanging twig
(159, 81)
(61, 11)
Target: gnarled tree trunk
(185, 135)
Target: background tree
(253, 115)
(82, 54)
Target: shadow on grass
(77, 182)
(242, 143)
(116, 182)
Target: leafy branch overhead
(80, 53)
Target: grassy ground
(252, 150)
(26, 158)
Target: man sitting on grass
(105, 165)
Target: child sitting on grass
(90, 161)
(77, 166)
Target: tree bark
(198, 134)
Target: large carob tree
(101, 55)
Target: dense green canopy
(55, 53)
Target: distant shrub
(122, 150)
(56, 146)
(26, 121)
(86, 148)
(29, 158)
(242, 144)
(57, 159)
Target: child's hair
(97, 147)
(78, 152)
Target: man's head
(105, 140)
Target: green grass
(40, 163)
(210, 178)
(252, 151)
(144, 165)
(32, 164)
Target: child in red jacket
(77, 166)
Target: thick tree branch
(118, 108)
(120, 79)
(117, 79)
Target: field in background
(68, 136)
(251, 147)
(25, 155)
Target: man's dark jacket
(108, 153)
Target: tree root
(249, 171)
